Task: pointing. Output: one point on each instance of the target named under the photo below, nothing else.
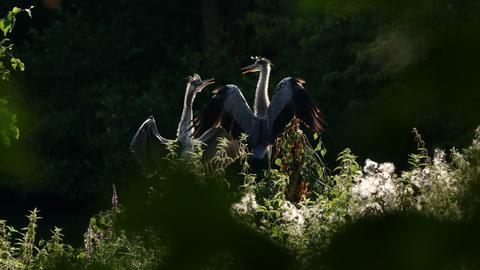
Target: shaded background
(96, 69)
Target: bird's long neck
(261, 95)
(184, 132)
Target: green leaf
(8, 120)
(6, 26)
(278, 162)
(16, 10)
(17, 64)
(81, 255)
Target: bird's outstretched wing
(148, 146)
(227, 109)
(290, 99)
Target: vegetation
(304, 229)
(97, 69)
(8, 63)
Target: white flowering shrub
(299, 204)
(433, 186)
(374, 189)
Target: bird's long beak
(250, 68)
(205, 83)
(208, 81)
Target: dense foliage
(222, 226)
(96, 69)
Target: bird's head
(196, 84)
(257, 66)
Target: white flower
(366, 188)
(248, 203)
(375, 187)
(292, 214)
(386, 169)
(370, 167)
(438, 157)
(389, 187)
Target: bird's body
(228, 109)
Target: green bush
(205, 220)
(19, 249)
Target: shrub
(435, 189)
(19, 249)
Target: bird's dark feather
(209, 116)
(147, 146)
(291, 99)
(306, 109)
(218, 112)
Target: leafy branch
(9, 63)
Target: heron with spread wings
(148, 146)
(228, 109)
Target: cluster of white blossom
(247, 204)
(374, 189)
(292, 214)
(430, 189)
(436, 187)
(293, 218)
(438, 173)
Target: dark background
(96, 69)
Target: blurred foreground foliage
(190, 216)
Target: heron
(228, 109)
(149, 147)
